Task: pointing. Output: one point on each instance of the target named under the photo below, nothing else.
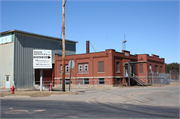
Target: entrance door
(7, 79)
(126, 70)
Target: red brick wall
(47, 76)
(92, 59)
(110, 57)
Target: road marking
(12, 111)
(72, 116)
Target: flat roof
(34, 34)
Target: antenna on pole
(124, 43)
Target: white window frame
(150, 68)
(80, 68)
(85, 67)
(66, 68)
(61, 69)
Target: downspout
(53, 74)
(129, 73)
(93, 70)
(13, 40)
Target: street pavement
(120, 102)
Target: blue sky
(150, 27)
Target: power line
(92, 47)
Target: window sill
(83, 73)
(65, 73)
(118, 72)
(101, 72)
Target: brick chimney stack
(87, 47)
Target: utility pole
(63, 57)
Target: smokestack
(87, 47)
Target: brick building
(108, 67)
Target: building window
(150, 69)
(7, 78)
(117, 67)
(141, 68)
(61, 69)
(86, 81)
(86, 67)
(83, 68)
(100, 66)
(67, 81)
(101, 81)
(67, 69)
(161, 69)
(80, 68)
(156, 69)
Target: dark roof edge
(14, 30)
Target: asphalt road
(133, 102)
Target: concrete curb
(58, 95)
(15, 97)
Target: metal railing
(138, 79)
(155, 78)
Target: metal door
(7, 79)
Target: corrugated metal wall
(24, 74)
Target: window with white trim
(150, 68)
(83, 68)
(80, 68)
(67, 68)
(61, 69)
(86, 67)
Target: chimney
(87, 47)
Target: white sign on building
(42, 59)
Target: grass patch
(35, 93)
